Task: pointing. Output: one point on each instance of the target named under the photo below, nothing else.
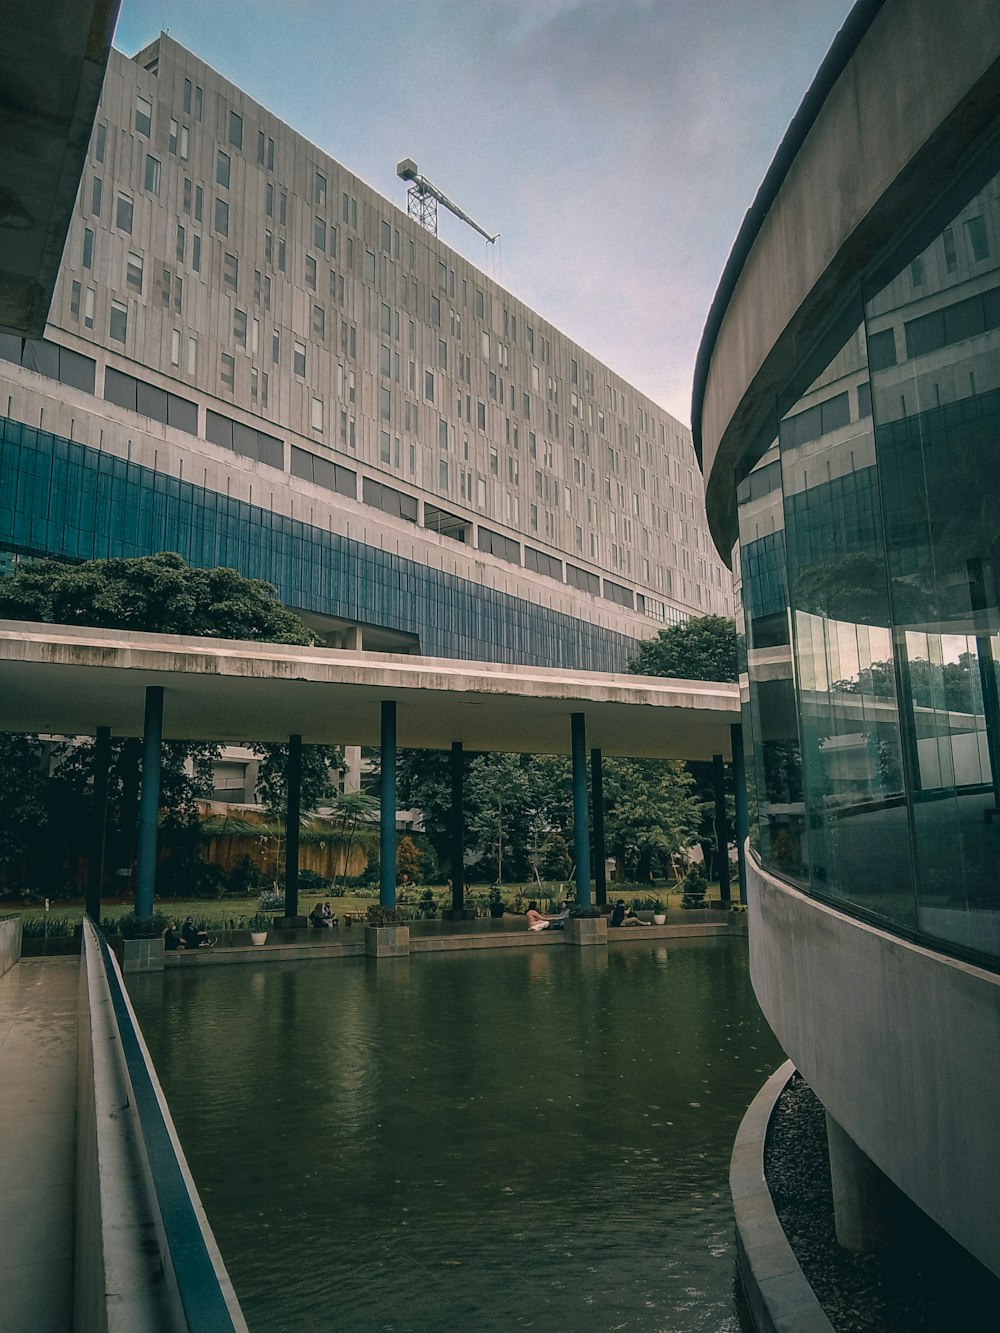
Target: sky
(615, 145)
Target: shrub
(271, 900)
(132, 927)
(45, 926)
(243, 879)
(383, 916)
(695, 887)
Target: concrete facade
(265, 328)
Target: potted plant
(258, 924)
(496, 903)
(659, 913)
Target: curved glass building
(847, 415)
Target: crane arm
(407, 171)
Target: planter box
(387, 941)
(585, 930)
(142, 955)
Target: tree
(652, 812)
(156, 593)
(701, 648)
(316, 784)
(499, 790)
(409, 860)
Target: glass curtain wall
(870, 588)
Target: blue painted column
(102, 768)
(149, 801)
(581, 833)
(721, 828)
(387, 817)
(600, 854)
(457, 830)
(742, 821)
(293, 811)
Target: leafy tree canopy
(702, 648)
(156, 593)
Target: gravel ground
(929, 1286)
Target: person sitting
(171, 939)
(536, 921)
(316, 918)
(194, 938)
(328, 915)
(622, 916)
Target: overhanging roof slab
(68, 680)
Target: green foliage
(271, 900)
(695, 887)
(317, 785)
(156, 593)
(22, 794)
(132, 927)
(409, 860)
(244, 878)
(259, 922)
(652, 812)
(554, 861)
(48, 926)
(377, 915)
(701, 648)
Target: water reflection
(534, 1138)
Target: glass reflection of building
(847, 413)
(868, 572)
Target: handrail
(196, 1271)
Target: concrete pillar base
(587, 930)
(143, 955)
(387, 941)
(863, 1197)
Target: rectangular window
(228, 372)
(269, 200)
(276, 346)
(133, 271)
(192, 355)
(230, 271)
(319, 234)
(199, 102)
(480, 305)
(429, 385)
(240, 327)
(75, 293)
(282, 207)
(143, 115)
(385, 361)
(88, 248)
(481, 415)
(442, 354)
(88, 308)
(223, 169)
(235, 130)
(268, 247)
(187, 96)
(385, 236)
(181, 243)
(175, 348)
(319, 190)
(118, 325)
(442, 433)
(310, 273)
(384, 447)
(196, 254)
(443, 473)
(199, 202)
(369, 273)
(950, 255)
(123, 214)
(299, 358)
(281, 253)
(317, 414)
(101, 144)
(186, 199)
(384, 404)
(319, 323)
(254, 337)
(435, 312)
(222, 217)
(976, 230)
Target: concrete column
(742, 820)
(102, 768)
(721, 827)
(581, 833)
(387, 818)
(149, 801)
(352, 768)
(863, 1197)
(457, 830)
(293, 813)
(597, 801)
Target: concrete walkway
(38, 1049)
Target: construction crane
(423, 199)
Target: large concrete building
(846, 412)
(255, 360)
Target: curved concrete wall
(900, 1045)
(922, 82)
(10, 943)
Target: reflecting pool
(532, 1138)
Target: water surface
(532, 1138)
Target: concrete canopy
(68, 680)
(52, 62)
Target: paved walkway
(38, 1046)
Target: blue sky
(614, 144)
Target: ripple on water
(452, 1141)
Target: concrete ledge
(779, 1297)
(10, 943)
